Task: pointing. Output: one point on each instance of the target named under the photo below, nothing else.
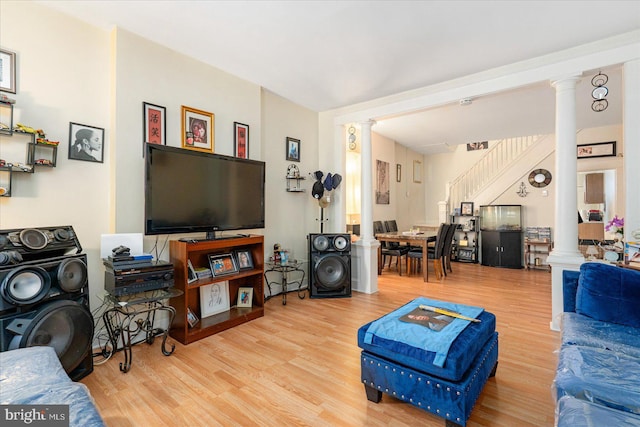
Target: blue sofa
(598, 375)
(35, 376)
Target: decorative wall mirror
(539, 178)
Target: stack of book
(203, 272)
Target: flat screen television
(189, 191)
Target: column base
(560, 262)
(364, 266)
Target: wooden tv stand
(198, 253)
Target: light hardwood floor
(300, 364)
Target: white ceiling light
(466, 101)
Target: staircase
(501, 167)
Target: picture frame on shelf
(245, 260)
(466, 208)
(214, 298)
(198, 129)
(599, 149)
(86, 143)
(293, 149)
(245, 297)
(222, 264)
(8, 71)
(192, 318)
(241, 140)
(154, 124)
(192, 276)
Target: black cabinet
(502, 248)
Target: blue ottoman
(413, 374)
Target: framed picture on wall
(600, 149)
(293, 150)
(154, 124)
(197, 129)
(398, 172)
(417, 171)
(7, 71)
(86, 143)
(241, 140)
(466, 208)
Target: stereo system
(44, 295)
(149, 276)
(37, 243)
(329, 265)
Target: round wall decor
(540, 178)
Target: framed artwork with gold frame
(198, 129)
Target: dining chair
(434, 254)
(448, 246)
(389, 250)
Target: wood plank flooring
(300, 364)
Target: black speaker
(27, 244)
(329, 265)
(46, 302)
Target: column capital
(567, 80)
(368, 123)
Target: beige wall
(71, 72)
(62, 77)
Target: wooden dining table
(420, 239)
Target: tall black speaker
(329, 265)
(46, 302)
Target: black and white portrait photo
(86, 143)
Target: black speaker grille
(67, 326)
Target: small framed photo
(192, 319)
(192, 276)
(398, 172)
(293, 150)
(86, 143)
(7, 71)
(222, 264)
(197, 129)
(245, 297)
(214, 298)
(245, 260)
(600, 149)
(154, 124)
(466, 208)
(241, 140)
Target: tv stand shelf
(198, 253)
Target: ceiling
(330, 54)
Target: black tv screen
(189, 191)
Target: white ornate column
(631, 132)
(565, 254)
(367, 246)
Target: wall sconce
(352, 138)
(599, 92)
(522, 191)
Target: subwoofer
(329, 265)
(46, 302)
(27, 244)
